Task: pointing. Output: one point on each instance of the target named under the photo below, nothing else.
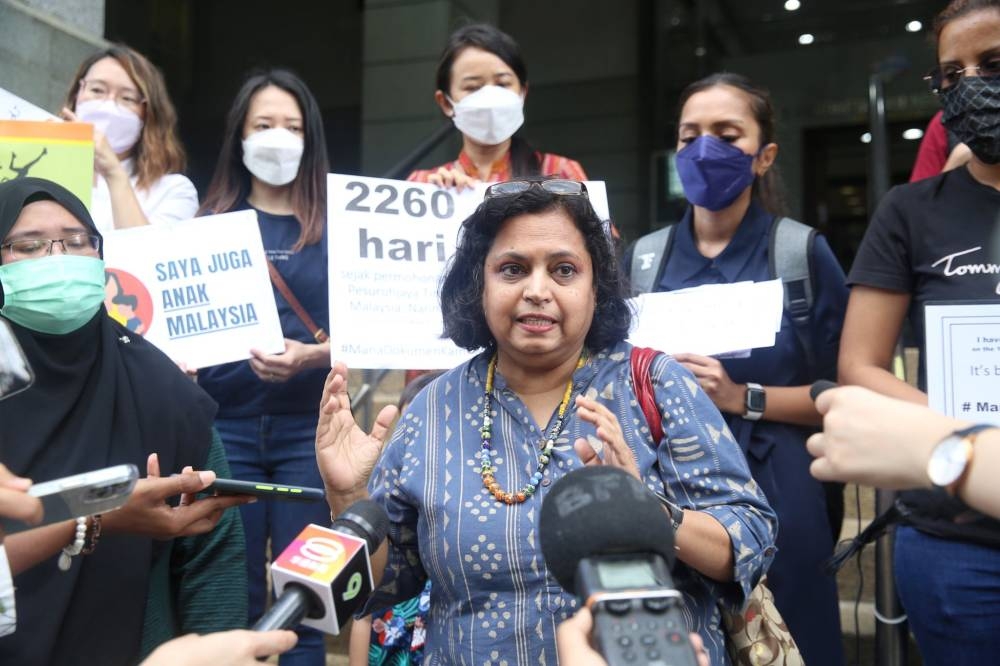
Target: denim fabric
(950, 591)
(276, 449)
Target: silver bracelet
(74, 549)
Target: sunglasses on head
(558, 186)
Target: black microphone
(15, 371)
(606, 538)
(819, 386)
(325, 573)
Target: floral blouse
(493, 600)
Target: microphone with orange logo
(325, 574)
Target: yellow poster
(61, 152)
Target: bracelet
(74, 548)
(93, 534)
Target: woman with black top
(273, 161)
(936, 240)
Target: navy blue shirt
(239, 392)
(776, 451)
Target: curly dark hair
(464, 279)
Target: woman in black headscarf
(102, 397)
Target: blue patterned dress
(492, 600)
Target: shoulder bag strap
(642, 383)
(279, 283)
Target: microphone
(619, 572)
(15, 372)
(819, 386)
(325, 573)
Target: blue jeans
(278, 448)
(950, 591)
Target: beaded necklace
(486, 454)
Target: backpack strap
(649, 256)
(790, 249)
(642, 384)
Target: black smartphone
(80, 495)
(266, 490)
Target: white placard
(200, 287)
(963, 360)
(389, 242)
(13, 107)
(712, 320)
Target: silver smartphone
(80, 495)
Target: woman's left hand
(298, 356)
(609, 432)
(727, 395)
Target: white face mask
(273, 155)
(490, 115)
(120, 126)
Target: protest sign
(60, 152)
(713, 319)
(199, 290)
(963, 360)
(13, 107)
(389, 243)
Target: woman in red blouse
(481, 85)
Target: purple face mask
(713, 172)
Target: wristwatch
(754, 402)
(950, 458)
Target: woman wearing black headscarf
(102, 397)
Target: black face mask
(971, 111)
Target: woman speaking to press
(534, 284)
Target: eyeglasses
(942, 78)
(97, 89)
(34, 248)
(558, 186)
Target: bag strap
(279, 283)
(790, 259)
(642, 383)
(649, 256)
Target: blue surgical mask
(56, 294)
(713, 172)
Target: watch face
(755, 400)
(948, 461)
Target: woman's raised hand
(345, 453)
(609, 433)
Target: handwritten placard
(199, 289)
(389, 243)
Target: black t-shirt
(937, 239)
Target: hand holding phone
(15, 502)
(147, 512)
(79, 495)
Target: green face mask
(56, 294)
